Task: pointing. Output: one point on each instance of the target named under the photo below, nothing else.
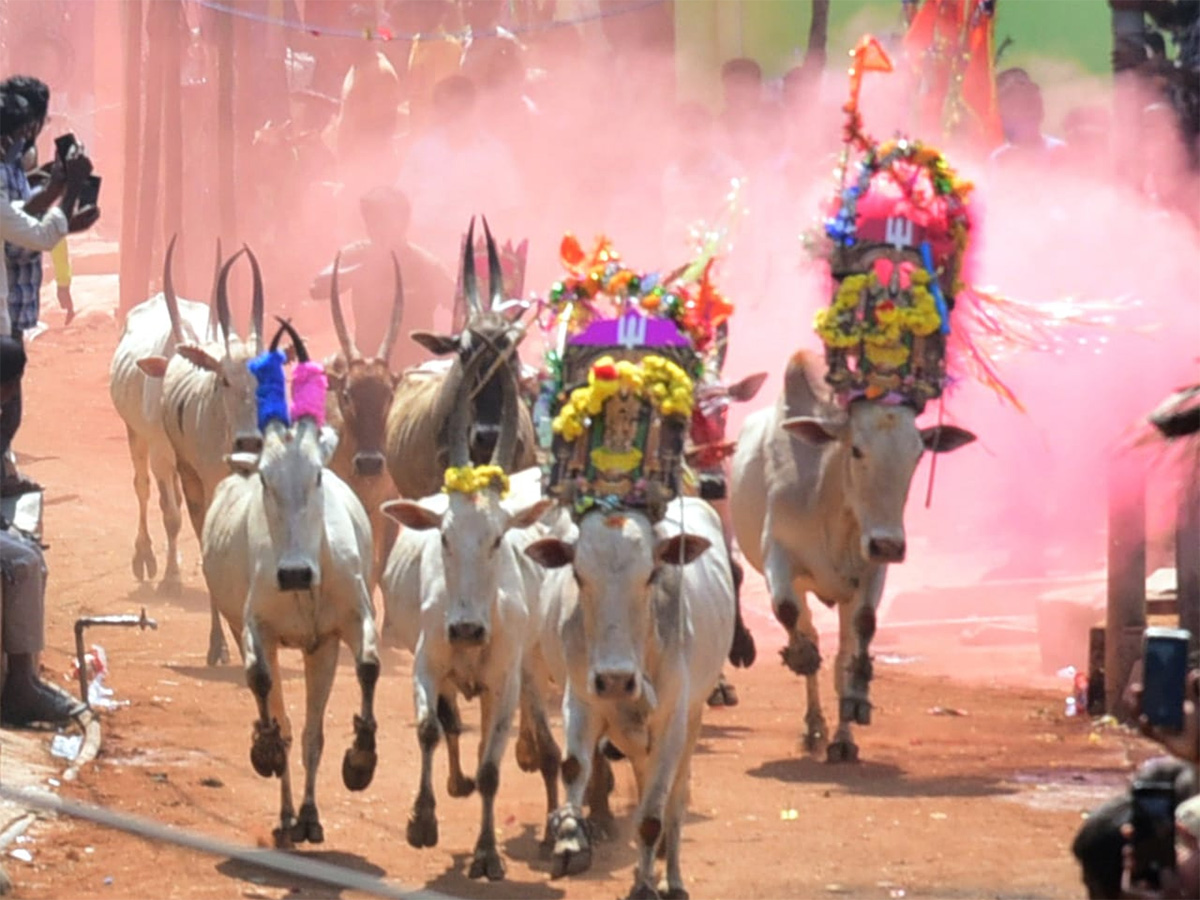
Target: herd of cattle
(504, 598)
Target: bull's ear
(328, 439)
(437, 344)
(746, 389)
(153, 366)
(945, 439)
(681, 549)
(814, 431)
(531, 515)
(551, 553)
(199, 357)
(412, 515)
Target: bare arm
(18, 227)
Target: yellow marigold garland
(882, 339)
(473, 479)
(667, 386)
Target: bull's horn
(385, 349)
(169, 293)
(504, 454)
(335, 306)
(469, 283)
(297, 343)
(256, 305)
(223, 297)
(460, 412)
(495, 273)
(212, 299)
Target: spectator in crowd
(456, 170)
(22, 231)
(748, 128)
(1022, 113)
(369, 117)
(424, 61)
(26, 698)
(366, 269)
(1087, 133)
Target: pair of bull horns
(285, 325)
(349, 348)
(495, 273)
(220, 300)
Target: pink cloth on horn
(309, 385)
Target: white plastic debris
(22, 854)
(66, 746)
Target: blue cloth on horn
(271, 392)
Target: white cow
(458, 594)
(153, 328)
(639, 636)
(208, 410)
(287, 559)
(818, 499)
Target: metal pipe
(129, 621)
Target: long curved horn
(297, 343)
(495, 272)
(460, 414)
(339, 321)
(256, 305)
(212, 298)
(385, 349)
(469, 282)
(504, 454)
(223, 297)
(169, 293)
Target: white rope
(294, 865)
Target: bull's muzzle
(886, 550)
(294, 578)
(368, 465)
(248, 443)
(467, 634)
(616, 685)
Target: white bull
(208, 410)
(638, 637)
(287, 559)
(151, 331)
(818, 499)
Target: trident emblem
(631, 330)
(899, 232)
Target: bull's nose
(248, 443)
(886, 550)
(467, 633)
(368, 465)
(295, 578)
(615, 685)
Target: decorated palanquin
(905, 320)
(628, 350)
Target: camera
(63, 145)
(89, 194)
(1164, 679)
(1153, 820)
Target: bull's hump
(804, 390)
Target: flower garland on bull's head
(905, 320)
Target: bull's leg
(273, 729)
(723, 693)
(457, 784)
(661, 768)
(193, 495)
(144, 564)
(169, 499)
(358, 765)
(496, 714)
(536, 748)
(320, 666)
(602, 824)
(673, 889)
(422, 821)
(572, 849)
(802, 654)
(854, 668)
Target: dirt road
(978, 805)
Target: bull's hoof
(743, 652)
(308, 826)
(422, 828)
(815, 735)
(459, 785)
(801, 656)
(842, 751)
(610, 750)
(218, 653)
(487, 864)
(358, 768)
(145, 566)
(673, 893)
(724, 694)
(171, 585)
(572, 848)
(602, 826)
(855, 709)
(527, 752)
(268, 753)
(282, 836)
(643, 891)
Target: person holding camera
(29, 226)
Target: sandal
(17, 485)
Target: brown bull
(357, 405)
(485, 352)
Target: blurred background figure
(425, 62)
(1023, 113)
(1087, 132)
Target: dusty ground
(981, 805)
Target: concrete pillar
(1126, 619)
(1187, 547)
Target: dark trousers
(10, 412)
